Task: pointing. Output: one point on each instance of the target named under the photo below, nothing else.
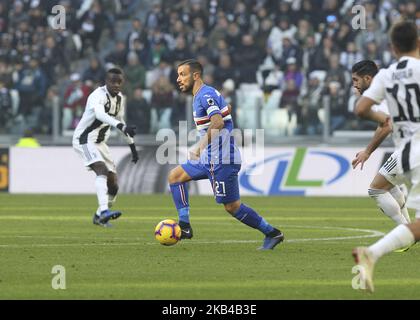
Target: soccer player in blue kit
(216, 158)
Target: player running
(400, 86)
(384, 187)
(104, 108)
(216, 158)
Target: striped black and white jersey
(101, 113)
(399, 85)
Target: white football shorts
(95, 152)
(402, 168)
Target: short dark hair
(195, 66)
(365, 68)
(404, 36)
(115, 70)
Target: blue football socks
(180, 196)
(248, 216)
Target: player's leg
(226, 190)
(379, 191)
(103, 214)
(112, 181)
(112, 184)
(403, 236)
(251, 218)
(386, 193)
(178, 179)
(399, 196)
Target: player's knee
(233, 207)
(100, 169)
(172, 176)
(374, 193)
(175, 176)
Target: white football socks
(389, 206)
(102, 193)
(398, 238)
(398, 195)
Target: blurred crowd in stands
(298, 51)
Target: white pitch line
(371, 234)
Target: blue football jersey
(206, 103)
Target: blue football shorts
(223, 178)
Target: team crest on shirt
(210, 101)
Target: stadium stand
(285, 61)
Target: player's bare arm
(216, 124)
(364, 110)
(382, 131)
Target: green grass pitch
(220, 262)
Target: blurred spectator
(51, 57)
(51, 102)
(308, 54)
(289, 99)
(118, 57)
(343, 36)
(310, 100)
(278, 32)
(135, 74)
(221, 48)
(337, 72)
(322, 55)
(228, 92)
(349, 57)
(154, 17)
(28, 140)
(137, 32)
(219, 32)
(372, 33)
(4, 17)
(138, 111)
(6, 107)
(334, 99)
(75, 98)
(17, 15)
(247, 60)
(224, 70)
(181, 51)
(305, 30)
(290, 50)
(233, 36)
(263, 33)
(94, 72)
(163, 100)
(31, 84)
(92, 25)
(179, 110)
(158, 52)
(293, 73)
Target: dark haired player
(384, 187)
(104, 109)
(216, 157)
(399, 85)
